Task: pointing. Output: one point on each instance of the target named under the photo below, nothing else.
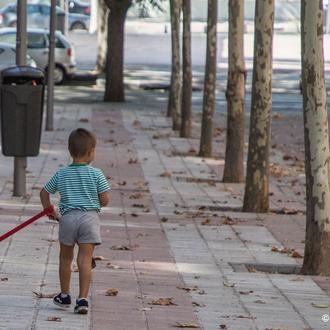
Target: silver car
(38, 43)
(8, 56)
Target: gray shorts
(78, 226)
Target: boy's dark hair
(81, 141)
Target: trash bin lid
(22, 71)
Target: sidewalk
(174, 241)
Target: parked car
(77, 7)
(38, 15)
(8, 55)
(37, 45)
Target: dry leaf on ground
(120, 247)
(133, 161)
(84, 120)
(186, 325)
(223, 326)
(44, 295)
(197, 304)
(54, 318)
(228, 285)
(112, 292)
(136, 196)
(316, 305)
(206, 222)
(112, 266)
(187, 289)
(163, 302)
(101, 258)
(245, 292)
(165, 174)
(4, 279)
(164, 219)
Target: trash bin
(22, 98)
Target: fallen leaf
(165, 174)
(4, 279)
(246, 317)
(163, 302)
(164, 219)
(136, 196)
(112, 292)
(223, 326)
(141, 206)
(44, 295)
(100, 258)
(259, 302)
(111, 266)
(84, 120)
(133, 161)
(187, 289)
(316, 305)
(54, 318)
(195, 303)
(251, 269)
(206, 222)
(122, 183)
(186, 325)
(245, 292)
(145, 309)
(120, 247)
(137, 124)
(134, 215)
(228, 285)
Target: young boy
(83, 191)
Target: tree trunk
(205, 149)
(256, 197)
(102, 36)
(114, 81)
(235, 94)
(186, 71)
(317, 246)
(174, 103)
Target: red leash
(46, 211)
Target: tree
(174, 103)
(205, 149)
(256, 197)
(317, 243)
(114, 82)
(186, 71)
(235, 94)
(102, 35)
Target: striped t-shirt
(79, 186)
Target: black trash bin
(22, 99)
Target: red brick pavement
(147, 271)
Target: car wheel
(59, 75)
(78, 26)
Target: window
(32, 9)
(36, 40)
(8, 37)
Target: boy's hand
(54, 216)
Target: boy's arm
(104, 198)
(45, 201)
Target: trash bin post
(21, 51)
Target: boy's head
(81, 143)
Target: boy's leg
(66, 256)
(84, 261)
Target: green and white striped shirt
(79, 186)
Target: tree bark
(114, 83)
(174, 102)
(317, 246)
(102, 36)
(186, 71)
(205, 149)
(235, 94)
(256, 196)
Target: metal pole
(66, 19)
(51, 67)
(21, 50)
